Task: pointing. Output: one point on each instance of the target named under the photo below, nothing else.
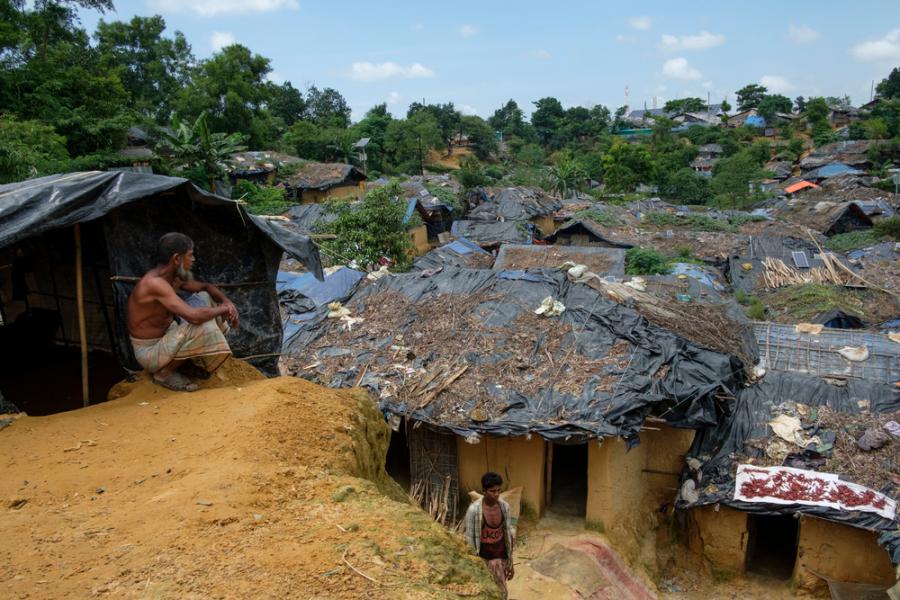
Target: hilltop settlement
(674, 332)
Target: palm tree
(566, 176)
(196, 150)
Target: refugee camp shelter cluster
(71, 249)
(597, 408)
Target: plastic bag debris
(873, 439)
(813, 328)
(376, 275)
(336, 311)
(855, 354)
(790, 430)
(550, 307)
(638, 283)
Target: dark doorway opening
(568, 479)
(772, 545)
(397, 460)
(50, 383)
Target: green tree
(408, 142)
(681, 105)
(448, 119)
(470, 173)
(286, 103)
(566, 176)
(531, 154)
(326, 107)
(626, 166)
(686, 187)
(198, 153)
(374, 125)
(231, 87)
(732, 178)
(29, 149)
(546, 118)
(889, 87)
(774, 103)
(369, 230)
(750, 96)
(480, 135)
(800, 104)
(152, 68)
(875, 129)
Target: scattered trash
(203, 502)
(790, 430)
(376, 275)
(550, 307)
(689, 493)
(336, 311)
(873, 439)
(857, 354)
(893, 427)
(16, 503)
(813, 328)
(638, 283)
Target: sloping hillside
(249, 488)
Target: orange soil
(244, 489)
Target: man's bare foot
(175, 381)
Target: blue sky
(480, 54)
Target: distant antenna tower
(626, 94)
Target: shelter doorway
(772, 545)
(568, 479)
(40, 356)
(396, 462)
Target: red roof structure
(800, 185)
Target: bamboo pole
(82, 327)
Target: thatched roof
(829, 218)
(321, 176)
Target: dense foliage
(68, 98)
(370, 230)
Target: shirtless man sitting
(167, 331)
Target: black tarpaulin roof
(595, 371)
(32, 207)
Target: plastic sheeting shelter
(612, 367)
(783, 348)
(458, 253)
(122, 215)
(744, 431)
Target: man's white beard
(184, 274)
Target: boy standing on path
(489, 531)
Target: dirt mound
(250, 487)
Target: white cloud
(467, 30)
(886, 48)
(211, 8)
(393, 97)
(678, 68)
(540, 54)
(802, 34)
(702, 41)
(626, 39)
(418, 26)
(467, 109)
(220, 39)
(640, 23)
(776, 84)
(707, 85)
(366, 71)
